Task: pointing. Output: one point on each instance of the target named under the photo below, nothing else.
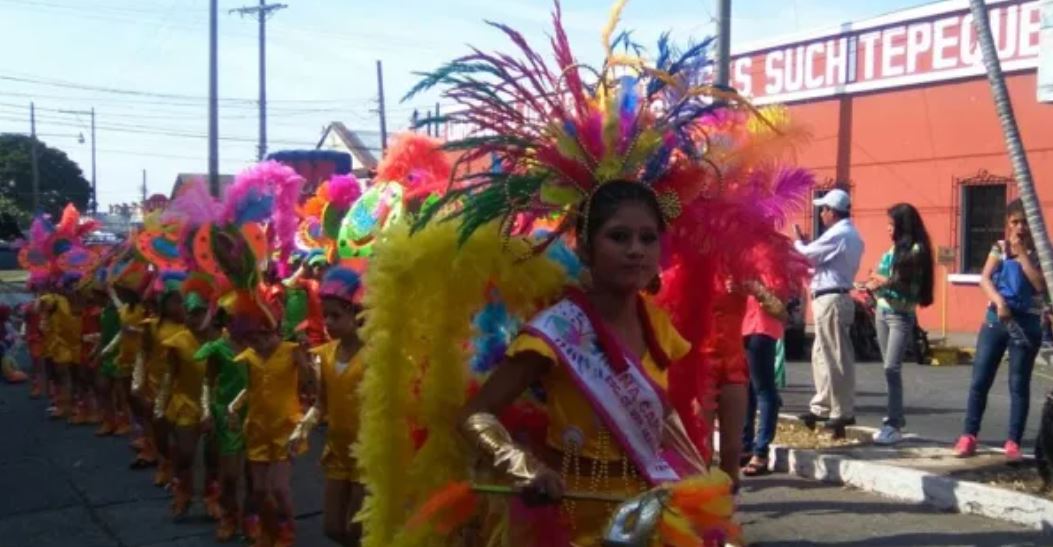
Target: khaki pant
(833, 357)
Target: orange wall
(910, 145)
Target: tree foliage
(61, 179)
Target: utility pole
(383, 121)
(723, 43)
(94, 189)
(261, 13)
(143, 187)
(213, 101)
(437, 123)
(94, 194)
(34, 157)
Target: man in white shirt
(835, 256)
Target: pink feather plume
(344, 190)
(271, 190)
(193, 205)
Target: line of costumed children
(230, 324)
(546, 333)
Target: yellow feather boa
(422, 292)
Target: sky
(143, 66)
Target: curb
(917, 486)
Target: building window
(982, 222)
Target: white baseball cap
(835, 199)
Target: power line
(147, 130)
(154, 94)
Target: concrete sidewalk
(934, 399)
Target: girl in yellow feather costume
(617, 161)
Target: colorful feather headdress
(557, 131)
(55, 249)
(415, 168)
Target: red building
(900, 110)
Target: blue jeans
(894, 331)
(1022, 337)
(763, 395)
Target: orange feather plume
(448, 509)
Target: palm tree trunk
(1021, 169)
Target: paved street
(934, 399)
(64, 488)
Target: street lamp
(94, 198)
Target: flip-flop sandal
(755, 469)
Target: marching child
(341, 371)
(275, 372)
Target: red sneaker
(1012, 451)
(965, 447)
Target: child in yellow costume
(341, 370)
(276, 371)
(179, 400)
(152, 366)
(63, 344)
(129, 282)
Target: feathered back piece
(731, 232)
(55, 249)
(238, 244)
(267, 191)
(557, 130)
(321, 214)
(35, 254)
(418, 162)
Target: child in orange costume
(87, 410)
(341, 372)
(34, 336)
(276, 370)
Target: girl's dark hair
(1015, 207)
(908, 230)
(606, 200)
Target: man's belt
(824, 292)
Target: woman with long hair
(1013, 282)
(902, 281)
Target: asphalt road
(62, 487)
(934, 399)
